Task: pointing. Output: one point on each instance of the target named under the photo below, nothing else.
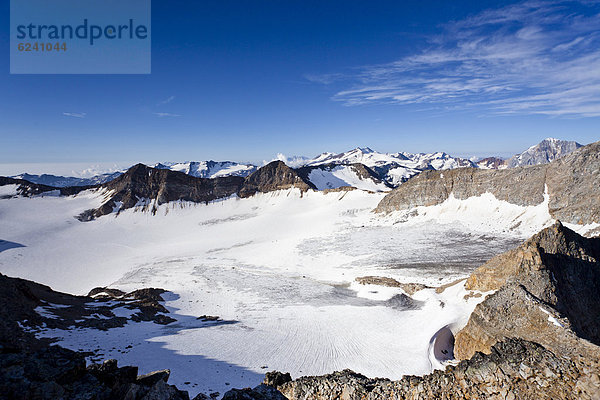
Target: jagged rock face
(56, 373)
(273, 176)
(547, 291)
(141, 184)
(544, 152)
(514, 369)
(573, 186)
(518, 186)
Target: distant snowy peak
(544, 152)
(438, 160)
(66, 181)
(209, 169)
(392, 168)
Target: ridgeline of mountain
(536, 337)
(546, 151)
(571, 181)
(26, 188)
(150, 187)
(273, 176)
(67, 181)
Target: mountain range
(330, 170)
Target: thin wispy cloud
(534, 57)
(167, 100)
(164, 114)
(74, 114)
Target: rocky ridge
(571, 182)
(545, 291)
(273, 176)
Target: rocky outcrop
(56, 373)
(273, 176)
(28, 304)
(546, 291)
(491, 163)
(408, 288)
(32, 368)
(572, 182)
(514, 369)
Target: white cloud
(164, 114)
(534, 57)
(167, 100)
(74, 114)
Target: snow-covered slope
(336, 176)
(544, 152)
(209, 169)
(278, 268)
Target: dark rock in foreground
(57, 373)
(515, 369)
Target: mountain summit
(544, 152)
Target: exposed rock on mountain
(491, 163)
(273, 176)
(37, 306)
(149, 187)
(547, 292)
(409, 288)
(572, 181)
(544, 152)
(56, 373)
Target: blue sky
(245, 80)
